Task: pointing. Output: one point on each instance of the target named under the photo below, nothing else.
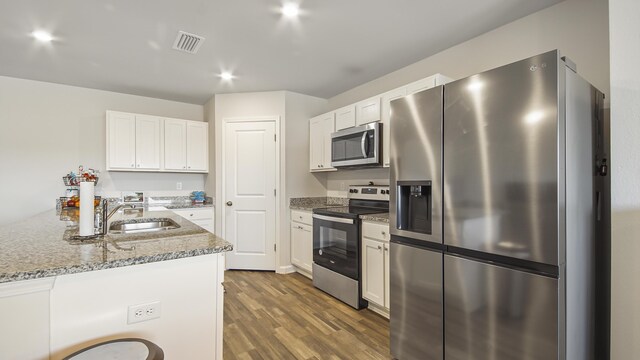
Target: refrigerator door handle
(598, 206)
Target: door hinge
(274, 137)
(274, 247)
(274, 192)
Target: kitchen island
(58, 295)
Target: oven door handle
(334, 219)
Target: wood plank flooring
(270, 316)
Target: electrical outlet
(178, 186)
(143, 312)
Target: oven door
(335, 244)
(356, 146)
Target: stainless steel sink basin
(142, 225)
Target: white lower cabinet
(203, 217)
(24, 310)
(373, 269)
(375, 265)
(302, 241)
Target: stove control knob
(351, 191)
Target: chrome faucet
(107, 215)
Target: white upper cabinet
(197, 146)
(368, 111)
(137, 142)
(420, 85)
(386, 121)
(345, 117)
(148, 142)
(175, 144)
(186, 145)
(427, 83)
(121, 140)
(320, 129)
(377, 108)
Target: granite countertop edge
(75, 269)
(376, 217)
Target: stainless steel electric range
(336, 243)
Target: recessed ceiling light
(226, 75)
(42, 36)
(290, 10)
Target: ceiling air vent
(189, 43)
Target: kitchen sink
(142, 225)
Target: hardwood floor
(270, 316)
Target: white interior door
(249, 194)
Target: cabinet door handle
(133, 165)
(386, 248)
(383, 233)
(379, 247)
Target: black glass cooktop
(350, 211)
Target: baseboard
(288, 269)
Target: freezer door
(495, 313)
(501, 141)
(416, 166)
(416, 303)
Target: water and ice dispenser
(414, 206)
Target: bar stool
(120, 349)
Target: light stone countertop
(310, 203)
(40, 246)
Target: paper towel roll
(87, 212)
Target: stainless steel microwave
(357, 146)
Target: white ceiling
(125, 45)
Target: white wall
(210, 117)
(50, 129)
(297, 180)
(625, 178)
(579, 28)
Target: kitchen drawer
(375, 230)
(196, 214)
(303, 217)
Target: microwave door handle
(363, 145)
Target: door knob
(229, 203)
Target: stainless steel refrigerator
(497, 209)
